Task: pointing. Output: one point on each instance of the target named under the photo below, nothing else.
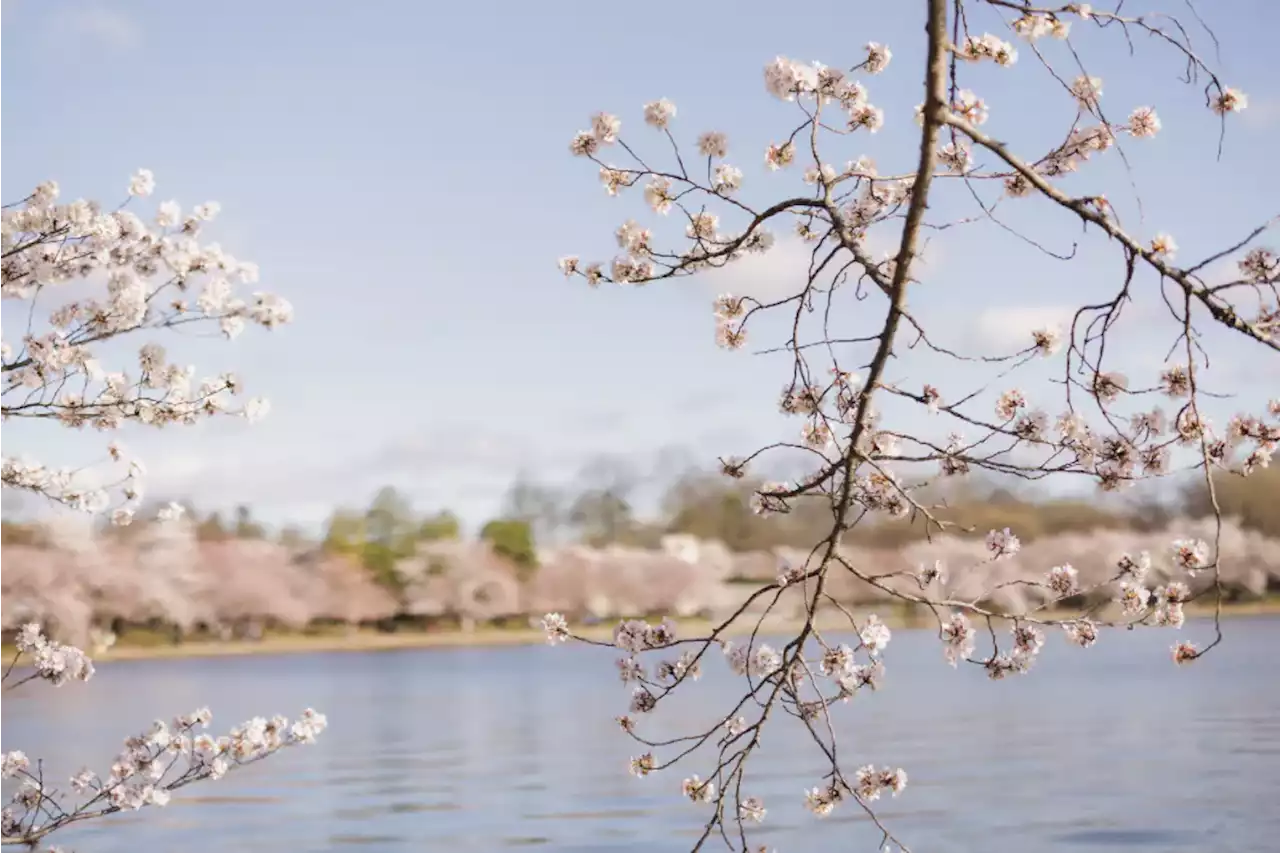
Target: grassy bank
(144, 645)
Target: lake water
(1106, 749)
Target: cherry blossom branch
(859, 462)
(144, 774)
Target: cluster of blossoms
(1162, 606)
(1083, 142)
(52, 661)
(150, 276)
(731, 332)
(759, 662)
(987, 46)
(1146, 447)
(869, 784)
(958, 638)
(787, 80)
(157, 275)
(839, 402)
(1002, 544)
(635, 636)
(697, 790)
(840, 663)
(873, 782)
(556, 627)
(1033, 26)
(137, 775)
(152, 765)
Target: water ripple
(1096, 752)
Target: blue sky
(400, 172)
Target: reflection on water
(1106, 749)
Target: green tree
(711, 506)
(344, 533)
(442, 525)
(604, 511)
(602, 517)
(513, 539)
(539, 506)
(380, 562)
(212, 529)
(389, 520)
(390, 533)
(714, 509)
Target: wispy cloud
(776, 274)
(467, 466)
(1263, 111)
(1003, 329)
(1221, 271)
(782, 271)
(98, 23)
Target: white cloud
(1222, 270)
(98, 23)
(1263, 111)
(1001, 330)
(777, 274)
(782, 271)
(467, 466)
(450, 453)
(928, 256)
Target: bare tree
(604, 510)
(855, 322)
(536, 504)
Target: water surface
(1106, 749)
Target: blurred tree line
(599, 508)
(387, 531)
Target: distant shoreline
(366, 640)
